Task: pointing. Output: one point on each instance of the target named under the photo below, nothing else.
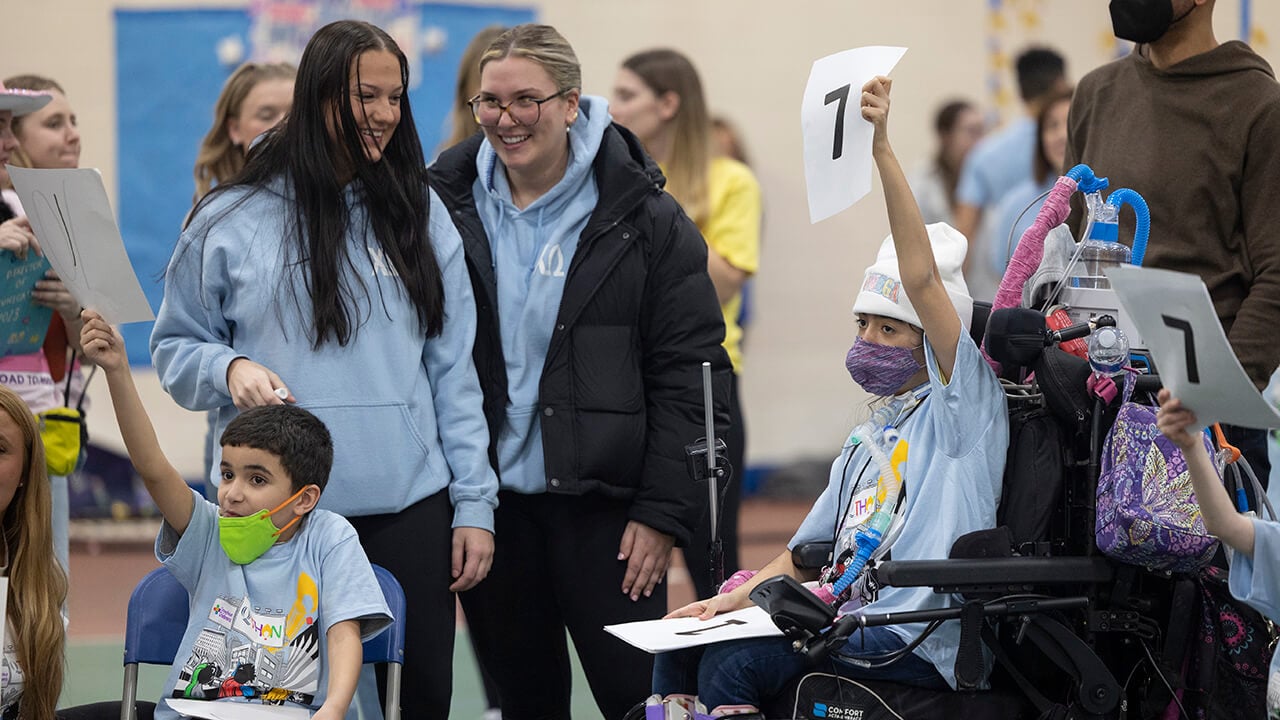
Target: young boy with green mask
(282, 594)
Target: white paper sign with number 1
(837, 141)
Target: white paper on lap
(71, 216)
(214, 710)
(657, 636)
(837, 141)
(1175, 316)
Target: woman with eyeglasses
(595, 314)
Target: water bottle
(1108, 351)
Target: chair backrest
(978, 321)
(157, 619)
(388, 646)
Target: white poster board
(1175, 316)
(837, 141)
(71, 216)
(657, 636)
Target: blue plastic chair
(157, 619)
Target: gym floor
(108, 559)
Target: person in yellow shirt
(658, 96)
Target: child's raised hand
(1174, 420)
(102, 343)
(875, 106)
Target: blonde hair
(37, 583)
(37, 83)
(462, 123)
(689, 164)
(219, 158)
(542, 44)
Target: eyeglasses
(524, 111)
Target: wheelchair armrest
(1015, 573)
(812, 556)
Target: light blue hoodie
(532, 250)
(404, 411)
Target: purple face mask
(880, 369)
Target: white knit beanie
(882, 292)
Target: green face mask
(244, 539)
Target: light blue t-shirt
(998, 163)
(1261, 591)
(259, 631)
(957, 438)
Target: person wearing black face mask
(1194, 125)
(1144, 21)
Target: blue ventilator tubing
(888, 488)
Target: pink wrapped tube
(1026, 257)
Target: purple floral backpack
(1147, 514)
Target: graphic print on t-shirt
(249, 652)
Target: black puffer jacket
(621, 389)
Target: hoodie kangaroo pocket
(606, 369)
(373, 442)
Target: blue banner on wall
(169, 74)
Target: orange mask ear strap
(290, 499)
(287, 525)
(281, 506)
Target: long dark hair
(393, 190)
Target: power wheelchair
(1073, 633)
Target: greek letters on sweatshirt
(532, 249)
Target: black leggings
(556, 567)
(415, 544)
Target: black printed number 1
(1189, 345)
(840, 94)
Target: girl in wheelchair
(911, 350)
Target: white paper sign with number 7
(1173, 312)
(837, 141)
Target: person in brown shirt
(1193, 125)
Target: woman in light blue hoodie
(328, 275)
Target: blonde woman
(31, 664)
(254, 99)
(462, 124)
(658, 96)
(594, 314)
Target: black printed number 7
(840, 94)
(1189, 345)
